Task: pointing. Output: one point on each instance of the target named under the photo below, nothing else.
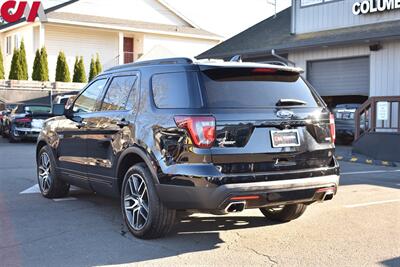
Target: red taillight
(264, 70)
(200, 128)
(23, 120)
(332, 127)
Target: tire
(12, 138)
(51, 186)
(145, 216)
(285, 213)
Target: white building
(120, 31)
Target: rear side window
(254, 88)
(119, 93)
(176, 90)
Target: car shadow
(95, 234)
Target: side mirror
(70, 102)
(58, 110)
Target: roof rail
(164, 61)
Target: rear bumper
(26, 132)
(270, 193)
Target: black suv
(175, 135)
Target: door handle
(123, 123)
(81, 124)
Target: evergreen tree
(82, 70)
(75, 78)
(23, 75)
(36, 67)
(99, 68)
(62, 69)
(2, 76)
(93, 71)
(79, 71)
(15, 66)
(44, 65)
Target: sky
(223, 17)
(227, 17)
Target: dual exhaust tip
(235, 207)
(239, 206)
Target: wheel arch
(130, 157)
(39, 147)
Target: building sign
(373, 6)
(12, 11)
(382, 111)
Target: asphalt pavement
(360, 227)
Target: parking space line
(65, 199)
(370, 172)
(372, 203)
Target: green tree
(15, 66)
(22, 62)
(75, 78)
(99, 68)
(93, 70)
(36, 67)
(2, 76)
(79, 71)
(62, 69)
(44, 65)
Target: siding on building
(28, 34)
(325, 16)
(385, 63)
(77, 41)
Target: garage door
(340, 77)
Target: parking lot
(360, 227)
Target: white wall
(336, 14)
(141, 10)
(384, 68)
(179, 46)
(76, 41)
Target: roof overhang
(128, 29)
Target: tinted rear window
(176, 90)
(254, 88)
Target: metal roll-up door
(340, 77)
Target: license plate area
(285, 138)
(37, 124)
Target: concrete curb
(356, 158)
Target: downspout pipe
(287, 61)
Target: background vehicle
(345, 122)
(173, 135)
(25, 121)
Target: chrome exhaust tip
(328, 196)
(235, 207)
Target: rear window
(176, 90)
(37, 109)
(254, 88)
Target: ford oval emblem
(285, 114)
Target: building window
(16, 41)
(8, 45)
(305, 3)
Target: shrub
(44, 65)
(36, 66)
(79, 71)
(62, 69)
(93, 71)
(15, 66)
(22, 61)
(2, 76)
(99, 68)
